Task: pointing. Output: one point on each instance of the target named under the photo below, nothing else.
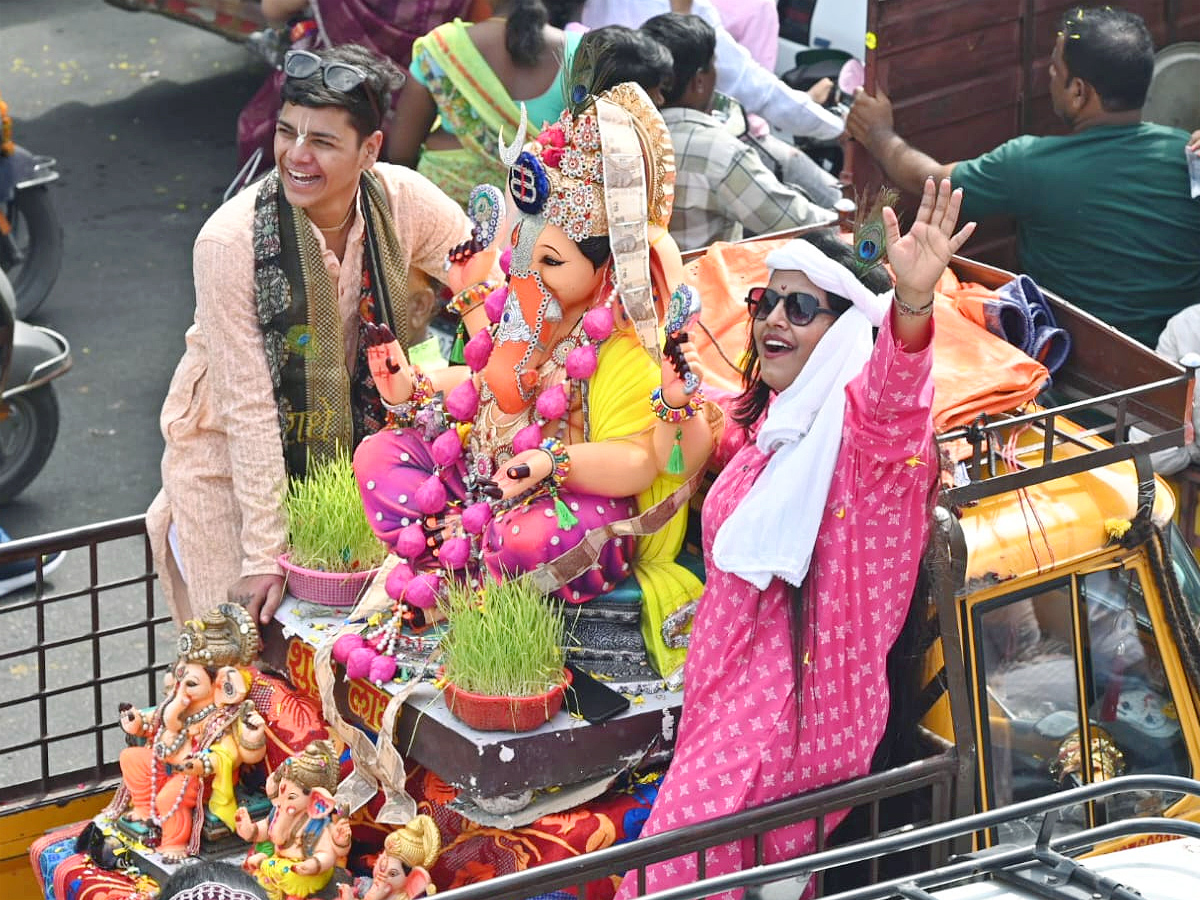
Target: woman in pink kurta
(753, 729)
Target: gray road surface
(140, 112)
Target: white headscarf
(772, 532)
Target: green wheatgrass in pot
(327, 526)
(504, 640)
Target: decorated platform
(560, 764)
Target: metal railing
(1095, 447)
(787, 879)
(73, 645)
(926, 785)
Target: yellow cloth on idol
(619, 406)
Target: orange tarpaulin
(973, 370)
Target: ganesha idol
(569, 428)
(401, 871)
(298, 846)
(201, 734)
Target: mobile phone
(594, 700)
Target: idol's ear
(320, 803)
(230, 687)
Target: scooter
(31, 357)
(31, 236)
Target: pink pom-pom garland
(475, 518)
(410, 543)
(430, 497)
(463, 402)
(478, 350)
(383, 668)
(422, 591)
(527, 438)
(359, 663)
(455, 553)
(447, 448)
(345, 645)
(493, 304)
(581, 362)
(552, 403)
(598, 323)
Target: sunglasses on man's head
(799, 307)
(337, 76)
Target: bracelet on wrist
(401, 414)
(907, 310)
(469, 298)
(561, 467)
(560, 461)
(673, 415)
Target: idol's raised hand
(388, 364)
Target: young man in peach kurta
(223, 469)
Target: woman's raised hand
(388, 364)
(919, 257)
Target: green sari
(474, 104)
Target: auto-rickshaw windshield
(1187, 573)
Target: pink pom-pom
(346, 644)
(447, 448)
(552, 402)
(506, 260)
(475, 517)
(527, 438)
(598, 323)
(455, 552)
(463, 402)
(478, 349)
(383, 668)
(581, 362)
(423, 591)
(399, 577)
(493, 303)
(430, 497)
(359, 663)
(410, 543)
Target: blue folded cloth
(1042, 338)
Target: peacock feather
(870, 237)
(592, 72)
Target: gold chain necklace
(340, 225)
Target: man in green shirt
(1105, 215)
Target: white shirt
(738, 75)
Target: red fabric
(472, 853)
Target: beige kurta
(223, 471)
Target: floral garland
(7, 147)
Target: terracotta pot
(490, 713)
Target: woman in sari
(475, 77)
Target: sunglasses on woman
(799, 307)
(337, 76)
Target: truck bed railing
(932, 776)
(95, 632)
(71, 654)
(787, 879)
(1102, 445)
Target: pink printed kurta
(745, 739)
